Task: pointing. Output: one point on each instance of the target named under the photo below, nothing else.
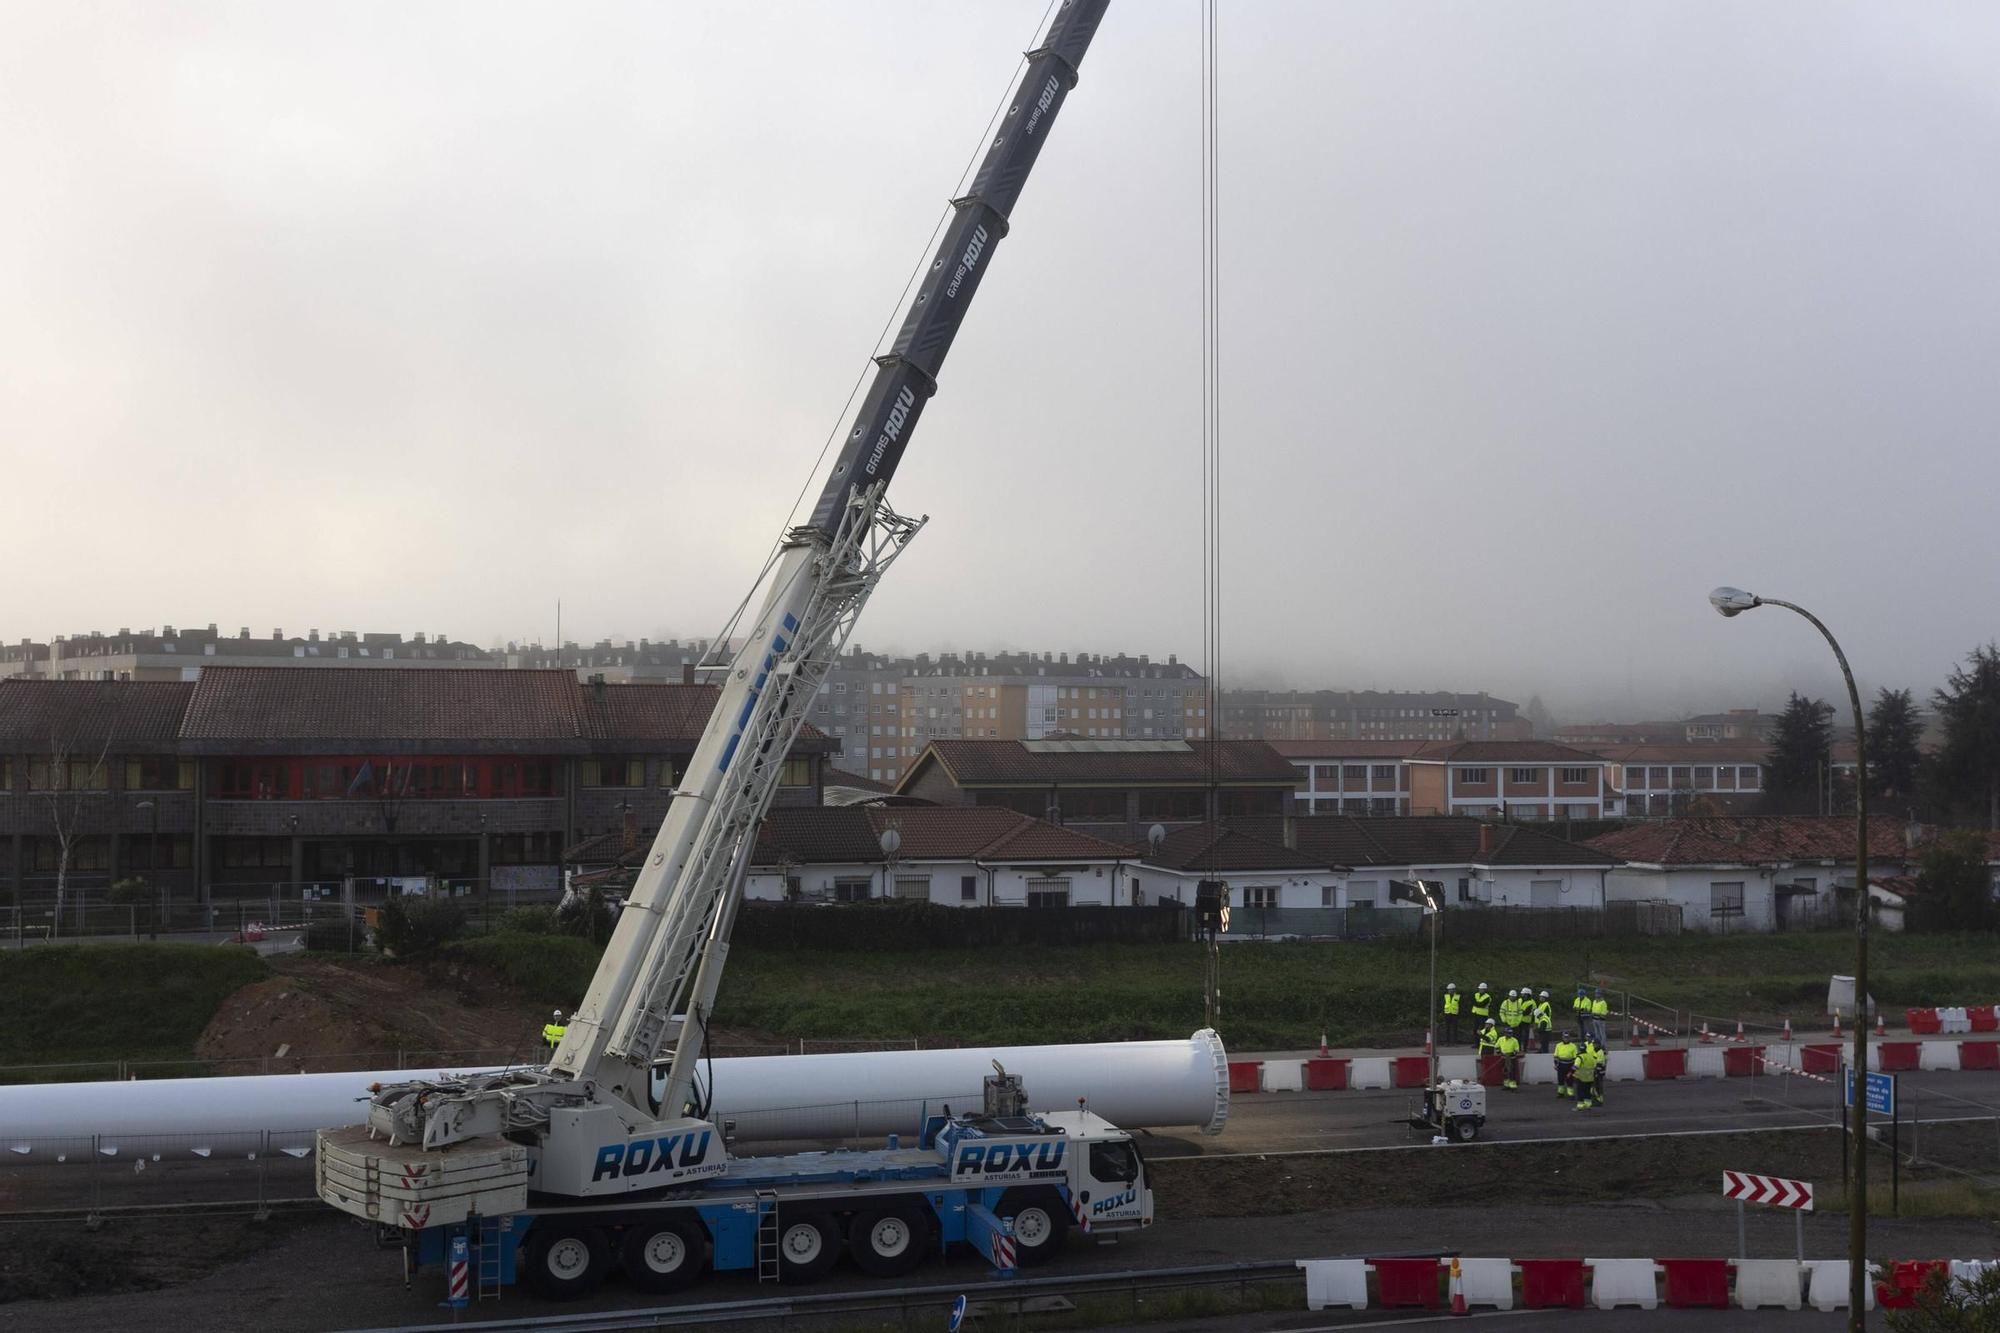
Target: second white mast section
(659, 975)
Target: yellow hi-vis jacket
(1509, 1044)
(552, 1033)
(1451, 1004)
(1489, 1041)
(1482, 1004)
(1587, 1061)
(1566, 1052)
(1600, 1007)
(1582, 1005)
(1545, 1016)
(1510, 1012)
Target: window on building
(1522, 777)
(1170, 804)
(913, 888)
(1329, 895)
(798, 773)
(1750, 778)
(1656, 778)
(150, 773)
(1354, 772)
(1361, 892)
(1725, 899)
(850, 890)
(1574, 776)
(1261, 895)
(1683, 777)
(968, 888)
(1465, 890)
(611, 773)
(1385, 775)
(1473, 777)
(1704, 778)
(1048, 893)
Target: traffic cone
(1836, 1025)
(1427, 1041)
(1322, 1046)
(1880, 1029)
(1705, 1037)
(1788, 1028)
(1457, 1288)
(1739, 1031)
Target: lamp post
(1732, 602)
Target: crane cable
(1211, 510)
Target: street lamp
(1734, 602)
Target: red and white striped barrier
(1774, 1190)
(1725, 1058)
(1457, 1283)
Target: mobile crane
(549, 1168)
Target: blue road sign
(957, 1315)
(1881, 1091)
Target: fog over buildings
(1537, 323)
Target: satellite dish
(892, 842)
(1155, 836)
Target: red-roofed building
(1759, 872)
(263, 780)
(960, 856)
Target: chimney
(631, 831)
(312, 635)
(1489, 838)
(277, 634)
(687, 673)
(597, 685)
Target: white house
(953, 856)
(1754, 872)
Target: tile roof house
(1510, 780)
(134, 716)
(1114, 788)
(1757, 872)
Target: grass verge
(72, 1003)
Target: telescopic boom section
(907, 373)
(658, 978)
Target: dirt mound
(324, 1013)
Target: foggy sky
(1539, 321)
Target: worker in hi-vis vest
(1589, 1064)
(1482, 1010)
(1510, 1011)
(552, 1032)
(1545, 1022)
(1566, 1053)
(1600, 1011)
(1510, 1062)
(1489, 1039)
(1451, 1001)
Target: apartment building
(182, 654)
(1745, 726)
(1510, 780)
(1706, 777)
(885, 710)
(1348, 777)
(1375, 715)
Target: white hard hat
(1482, 985)
(558, 1013)
(1513, 992)
(1451, 985)
(1545, 995)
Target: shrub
(409, 926)
(535, 919)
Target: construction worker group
(1526, 1017)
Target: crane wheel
(565, 1261)
(808, 1246)
(1041, 1223)
(665, 1254)
(889, 1241)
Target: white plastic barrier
(1938, 1055)
(1368, 1072)
(1761, 1282)
(1459, 1066)
(1782, 1053)
(1485, 1281)
(1705, 1062)
(1625, 1066)
(1616, 1282)
(1284, 1075)
(1538, 1069)
(1331, 1282)
(1953, 1020)
(1965, 1272)
(1874, 1056)
(1828, 1289)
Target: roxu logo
(1114, 1203)
(989, 1159)
(641, 1156)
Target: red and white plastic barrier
(1457, 1283)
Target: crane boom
(656, 983)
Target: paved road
(1308, 1121)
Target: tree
(1954, 886)
(1894, 760)
(1967, 768)
(1800, 748)
(1970, 1305)
(67, 783)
